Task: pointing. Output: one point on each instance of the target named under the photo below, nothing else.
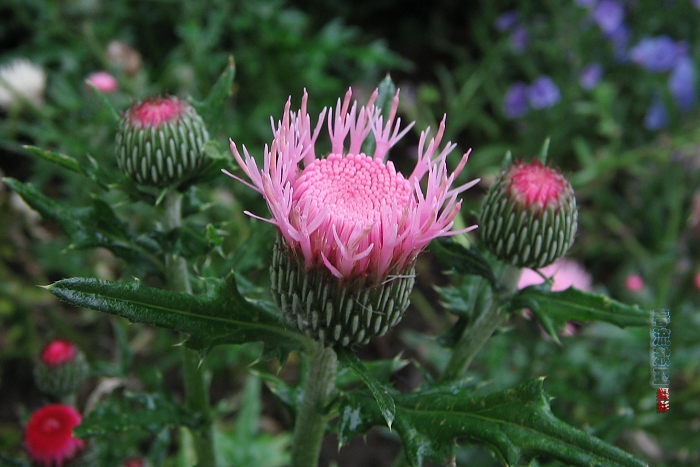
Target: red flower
(48, 435)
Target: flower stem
(478, 333)
(311, 420)
(197, 398)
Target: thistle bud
(160, 142)
(61, 369)
(528, 217)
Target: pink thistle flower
(61, 369)
(49, 438)
(352, 214)
(103, 81)
(634, 283)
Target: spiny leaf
(220, 316)
(385, 402)
(96, 226)
(554, 309)
(210, 109)
(457, 258)
(135, 411)
(517, 424)
(72, 164)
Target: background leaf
(517, 424)
(456, 258)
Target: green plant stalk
(478, 333)
(311, 420)
(196, 396)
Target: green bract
(160, 142)
(528, 217)
(332, 310)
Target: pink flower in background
(103, 81)
(57, 352)
(565, 273)
(350, 212)
(634, 283)
(49, 438)
(696, 280)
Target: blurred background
(612, 83)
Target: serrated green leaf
(385, 402)
(210, 109)
(135, 411)
(220, 316)
(554, 309)
(72, 164)
(517, 424)
(455, 257)
(96, 226)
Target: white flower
(21, 80)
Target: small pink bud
(634, 283)
(103, 81)
(697, 280)
(61, 370)
(48, 435)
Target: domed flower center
(537, 184)
(353, 188)
(156, 112)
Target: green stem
(478, 333)
(197, 398)
(312, 419)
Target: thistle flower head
(49, 438)
(62, 368)
(160, 142)
(351, 216)
(529, 215)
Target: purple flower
(681, 83)
(590, 76)
(656, 117)
(506, 21)
(619, 39)
(515, 100)
(586, 3)
(658, 54)
(697, 4)
(543, 92)
(608, 15)
(519, 39)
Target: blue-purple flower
(619, 39)
(656, 117)
(608, 15)
(591, 75)
(681, 83)
(519, 39)
(586, 3)
(658, 54)
(515, 102)
(506, 21)
(543, 93)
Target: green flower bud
(160, 142)
(61, 369)
(528, 217)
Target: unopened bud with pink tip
(61, 369)
(528, 217)
(160, 142)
